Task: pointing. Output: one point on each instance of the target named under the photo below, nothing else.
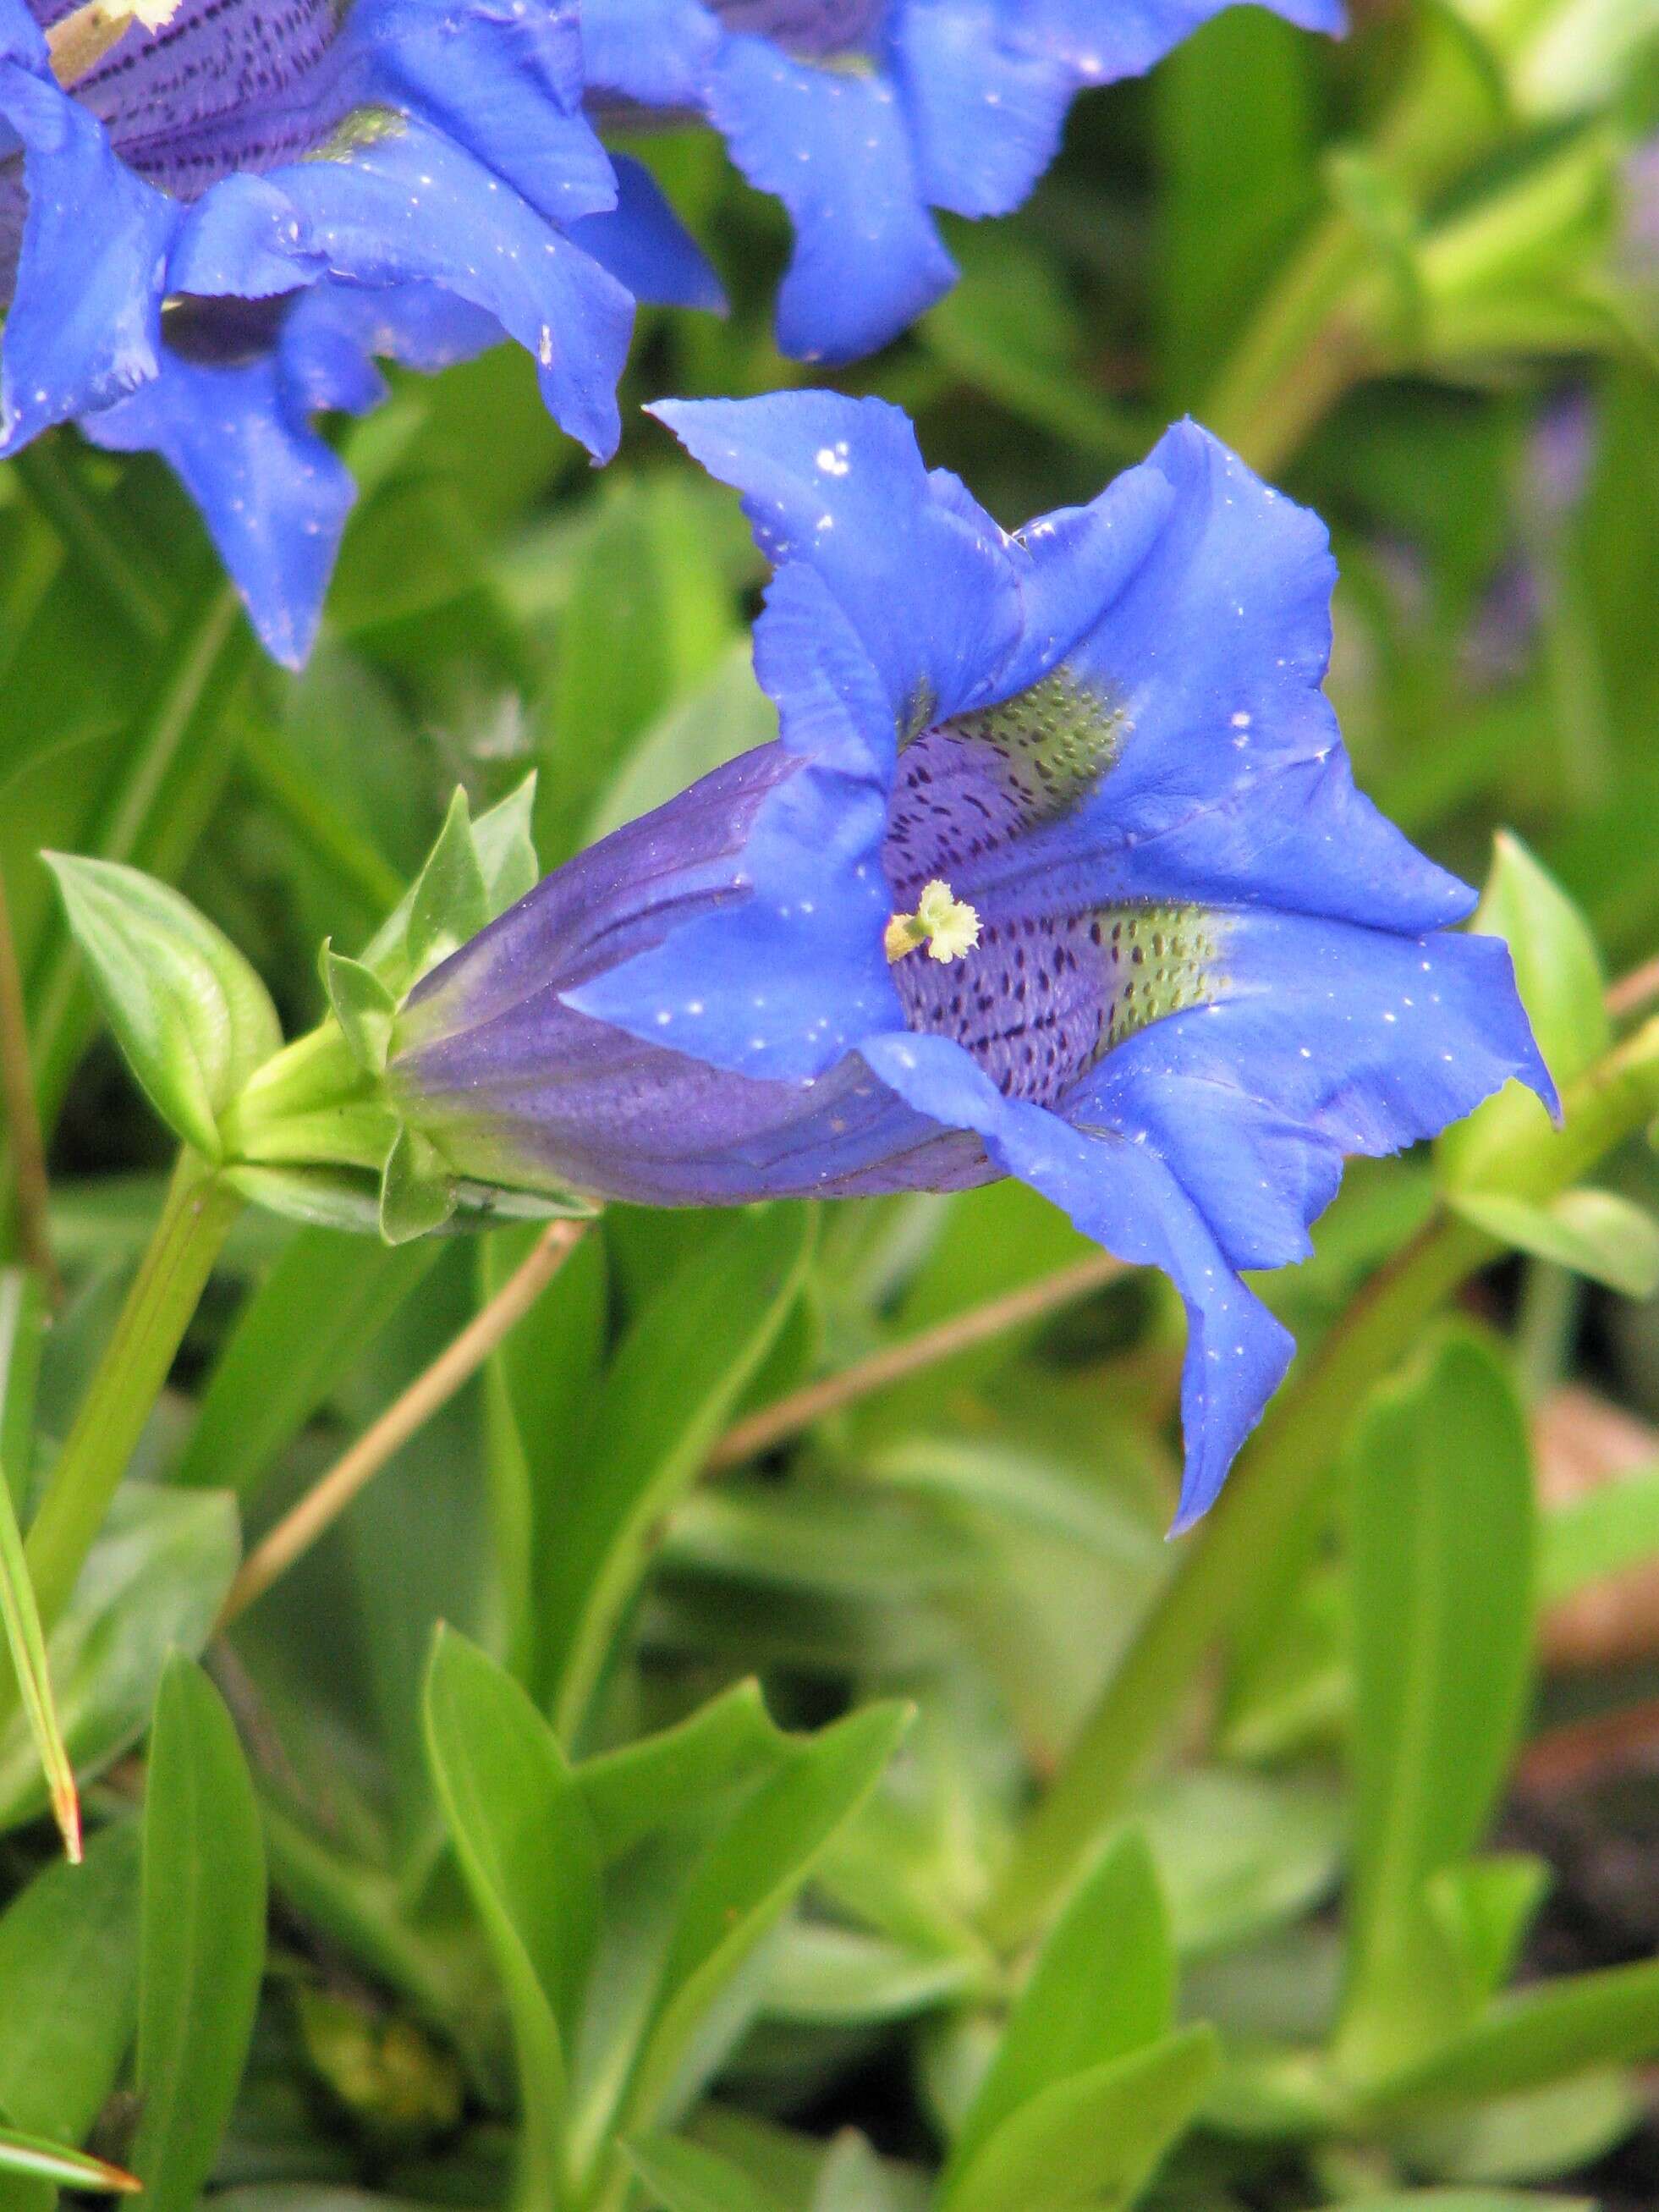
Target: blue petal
(502, 78)
(272, 495)
(1122, 1195)
(836, 149)
(414, 208)
(985, 109)
(1319, 1039)
(84, 323)
(1104, 43)
(785, 979)
(646, 247)
(333, 333)
(1233, 782)
(925, 579)
(658, 52)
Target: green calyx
(308, 1129)
(318, 1133)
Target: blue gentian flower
(211, 232)
(862, 116)
(1180, 966)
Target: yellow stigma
(79, 41)
(946, 925)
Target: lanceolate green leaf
(635, 1787)
(527, 1850)
(1595, 1232)
(22, 1318)
(672, 1385)
(1543, 2035)
(27, 1647)
(320, 1307)
(48, 2162)
(538, 1383)
(1095, 2139)
(202, 1944)
(1102, 1986)
(192, 1017)
(153, 1584)
(68, 1966)
(1441, 1578)
(685, 2177)
(745, 1882)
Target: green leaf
(1223, 222)
(363, 1007)
(1604, 1533)
(538, 1382)
(853, 2179)
(737, 1894)
(324, 1303)
(640, 1785)
(450, 901)
(27, 1645)
(1441, 1573)
(1595, 1232)
(1009, 330)
(831, 1976)
(155, 1581)
(1102, 1986)
(50, 2162)
(1543, 2035)
(685, 2177)
(192, 1017)
(527, 1850)
(23, 1324)
(1558, 971)
(650, 611)
(1093, 2139)
(667, 1395)
(727, 714)
(1469, 2200)
(202, 1943)
(1238, 1853)
(68, 1966)
(1485, 1907)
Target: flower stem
(194, 1223)
(1276, 1479)
(28, 1154)
(323, 1504)
(1327, 321)
(1302, 353)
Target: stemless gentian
(210, 229)
(1057, 870)
(862, 116)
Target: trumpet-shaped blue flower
(862, 116)
(1179, 965)
(211, 231)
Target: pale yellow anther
(946, 925)
(80, 40)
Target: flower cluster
(208, 232)
(1180, 966)
(862, 116)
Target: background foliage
(880, 1822)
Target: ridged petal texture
(1206, 967)
(212, 235)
